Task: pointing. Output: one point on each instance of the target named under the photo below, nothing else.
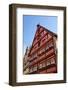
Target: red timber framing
(43, 52)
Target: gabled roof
(38, 28)
(52, 33)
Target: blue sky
(30, 25)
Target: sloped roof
(52, 33)
(38, 28)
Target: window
(44, 39)
(49, 45)
(35, 68)
(40, 65)
(52, 61)
(49, 52)
(48, 62)
(41, 51)
(31, 70)
(34, 55)
(43, 64)
(49, 36)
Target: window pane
(31, 70)
(48, 62)
(43, 64)
(35, 68)
(40, 65)
(52, 61)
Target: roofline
(52, 33)
(49, 31)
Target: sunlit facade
(42, 56)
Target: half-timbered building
(43, 52)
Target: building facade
(26, 62)
(42, 57)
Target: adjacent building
(26, 62)
(42, 56)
